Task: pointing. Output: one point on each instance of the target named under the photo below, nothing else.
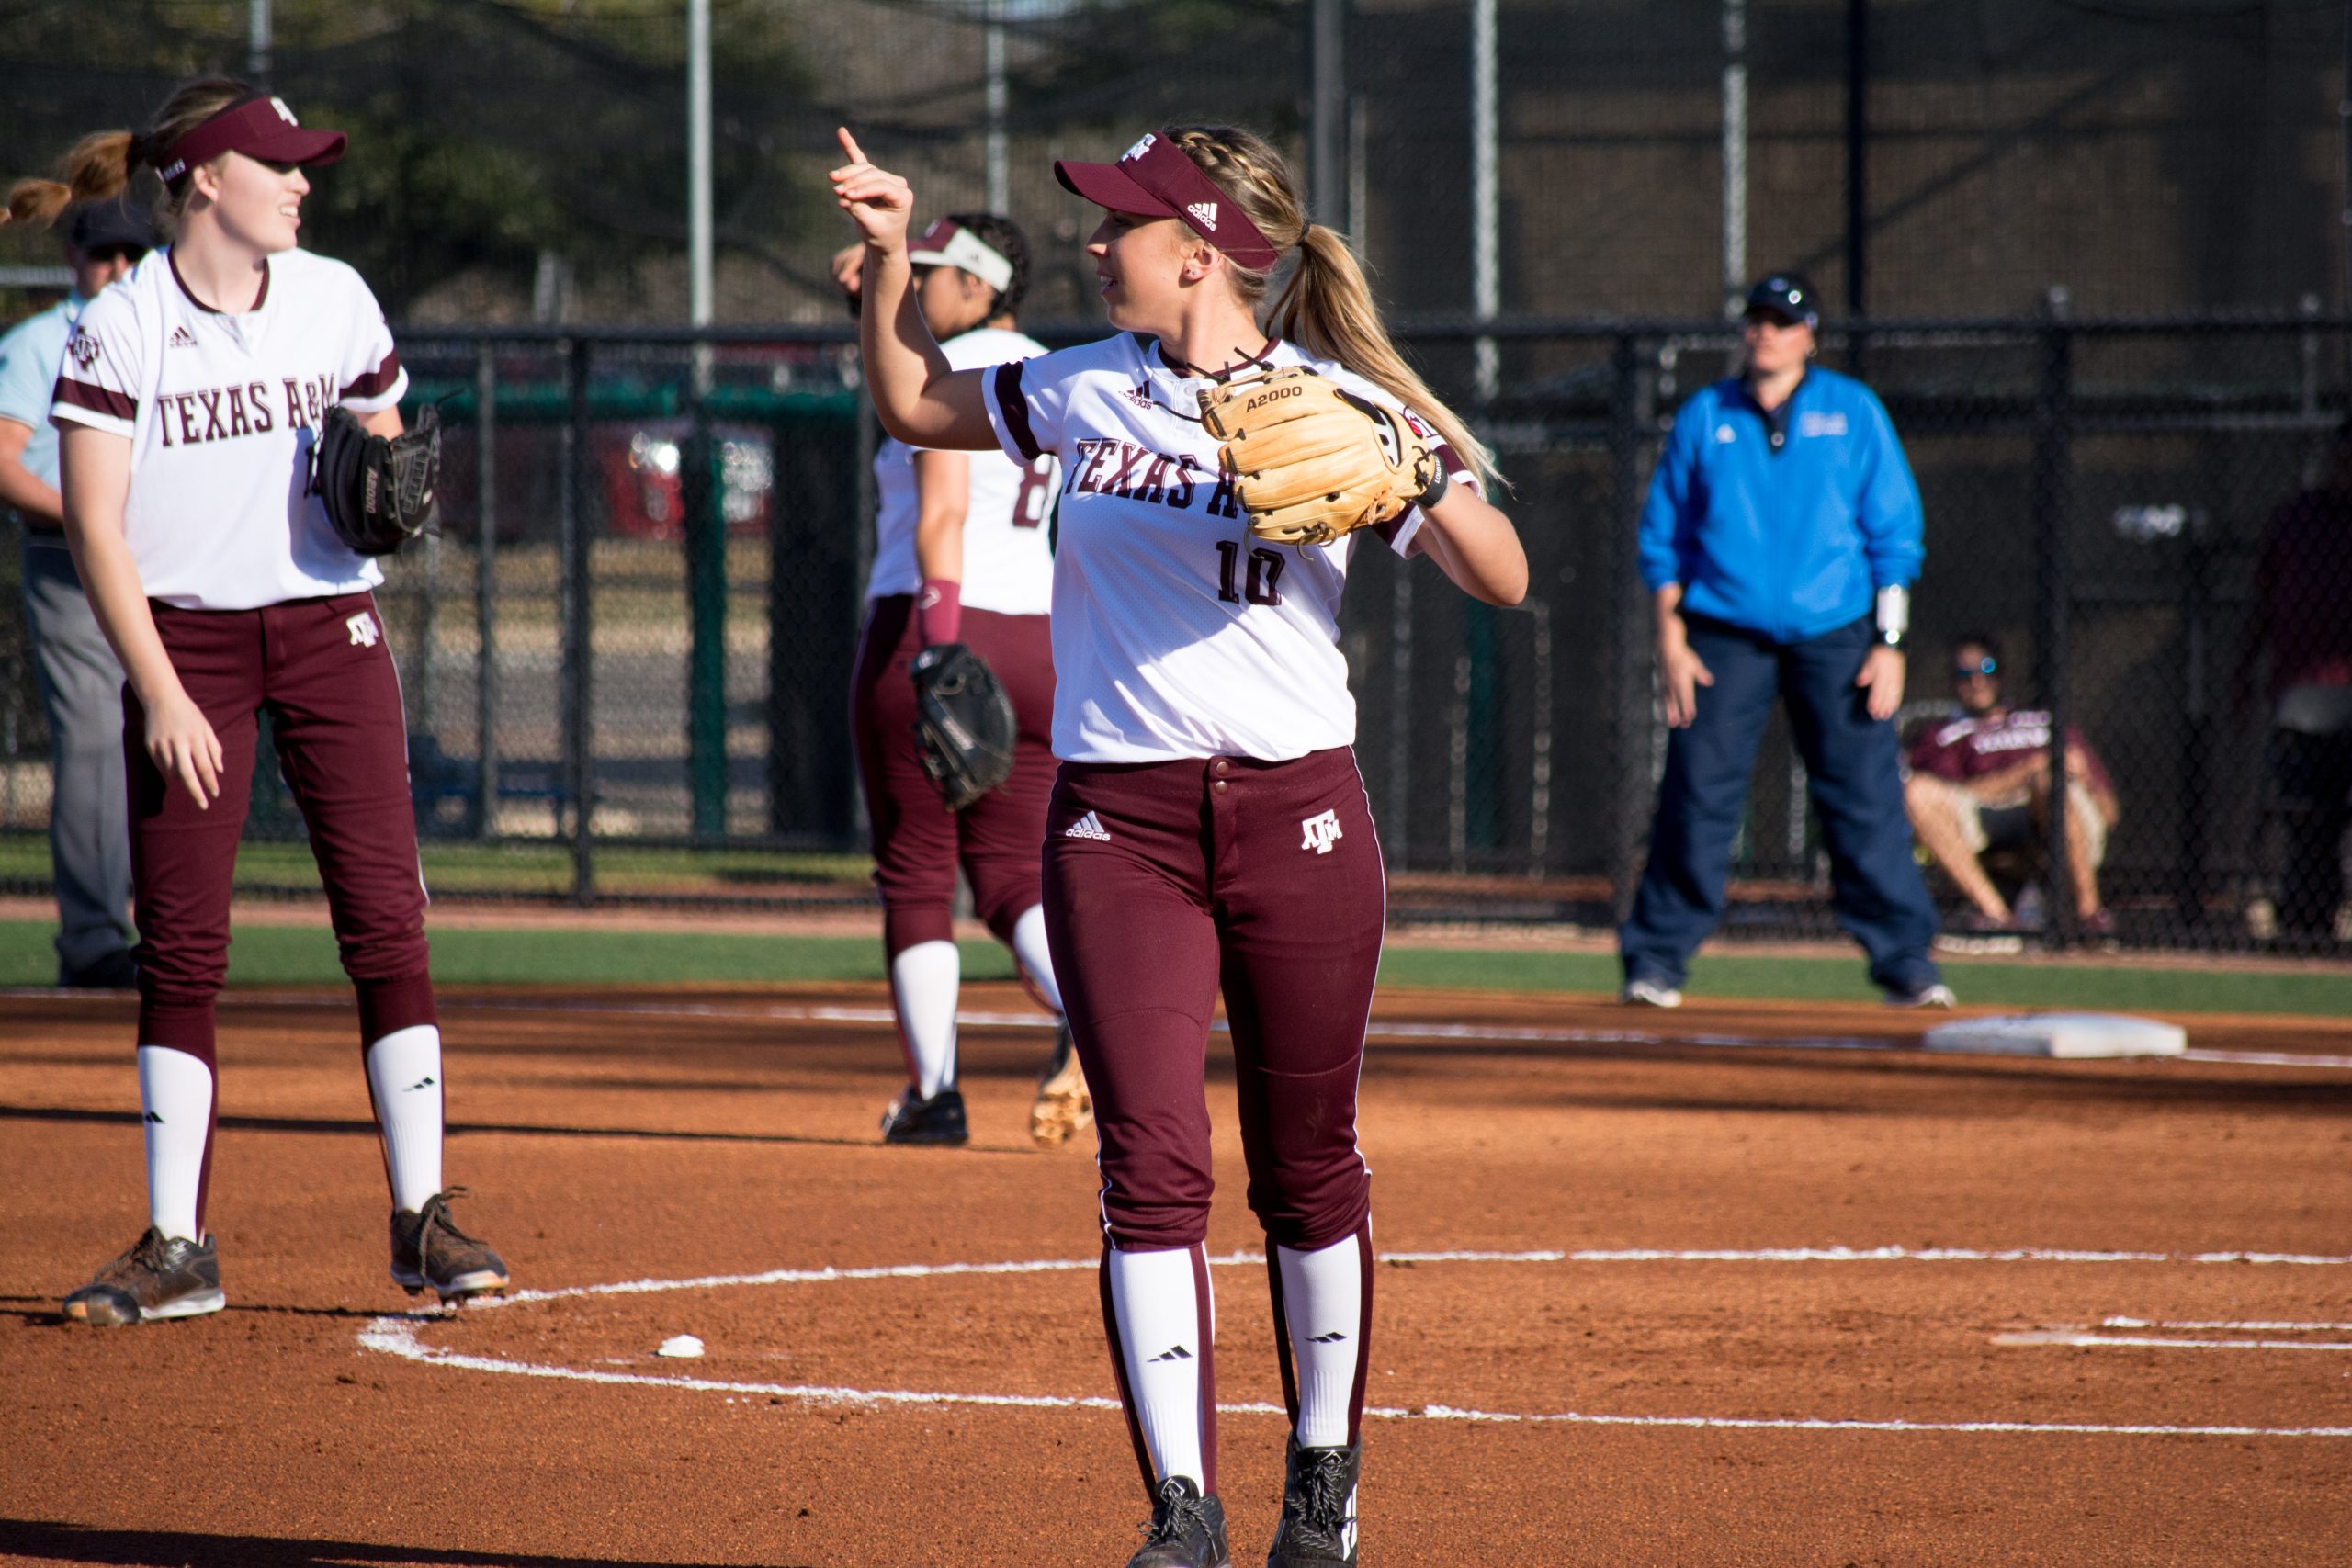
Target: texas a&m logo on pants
(362, 627)
(1320, 832)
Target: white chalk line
(2078, 1340)
(2141, 1334)
(397, 1336)
(1581, 1255)
(1500, 1034)
(2243, 1327)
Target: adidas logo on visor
(1203, 213)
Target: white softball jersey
(1007, 556)
(220, 411)
(1176, 633)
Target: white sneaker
(1649, 994)
(1935, 996)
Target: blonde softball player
(1208, 827)
(962, 554)
(188, 404)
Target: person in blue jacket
(1778, 544)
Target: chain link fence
(649, 582)
(646, 594)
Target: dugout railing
(646, 590)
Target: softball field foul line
(1582, 1255)
(2076, 1339)
(397, 1336)
(1400, 1030)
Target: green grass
(523, 869)
(284, 955)
(2110, 988)
(305, 955)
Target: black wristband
(1435, 491)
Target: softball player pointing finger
(1208, 828)
(961, 555)
(188, 404)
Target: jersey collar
(1155, 355)
(260, 300)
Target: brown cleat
(1064, 1107)
(430, 1251)
(158, 1277)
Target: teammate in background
(80, 685)
(962, 554)
(1779, 546)
(1208, 825)
(189, 397)
(2302, 622)
(1982, 781)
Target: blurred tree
(483, 131)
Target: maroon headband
(260, 126)
(1154, 178)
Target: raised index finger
(849, 144)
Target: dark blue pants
(1857, 787)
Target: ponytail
(97, 170)
(1327, 309)
(101, 165)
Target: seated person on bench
(1981, 782)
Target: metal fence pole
(2054, 608)
(704, 468)
(1538, 788)
(486, 590)
(1633, 707)
(579, 658)
(1327, 120)
(1397, 819)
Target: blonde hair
(101, 165)
(1327, 307)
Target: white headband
(948, 244)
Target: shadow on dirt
(42, 1541)
(81, 1114)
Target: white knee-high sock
(1163, 1305)
(1323, 1308)
(923, 981)
(1029, 947)
(404, 1076)
(175, 1105)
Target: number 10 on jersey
(1258, 584)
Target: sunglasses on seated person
(1983, 669)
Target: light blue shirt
(30, 357)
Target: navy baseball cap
(109, 225)
(1788, 296)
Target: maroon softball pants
(1166, 881)
(323, 669)
(917, 840)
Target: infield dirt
(684, 1135)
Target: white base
(2071, 1035)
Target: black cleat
(1319, 1525)
(430, 1251)
(161, 1276)
(912, 1118)
(113, 972)
(1187, 1530)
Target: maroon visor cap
(1154, 179)
(260, 126)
